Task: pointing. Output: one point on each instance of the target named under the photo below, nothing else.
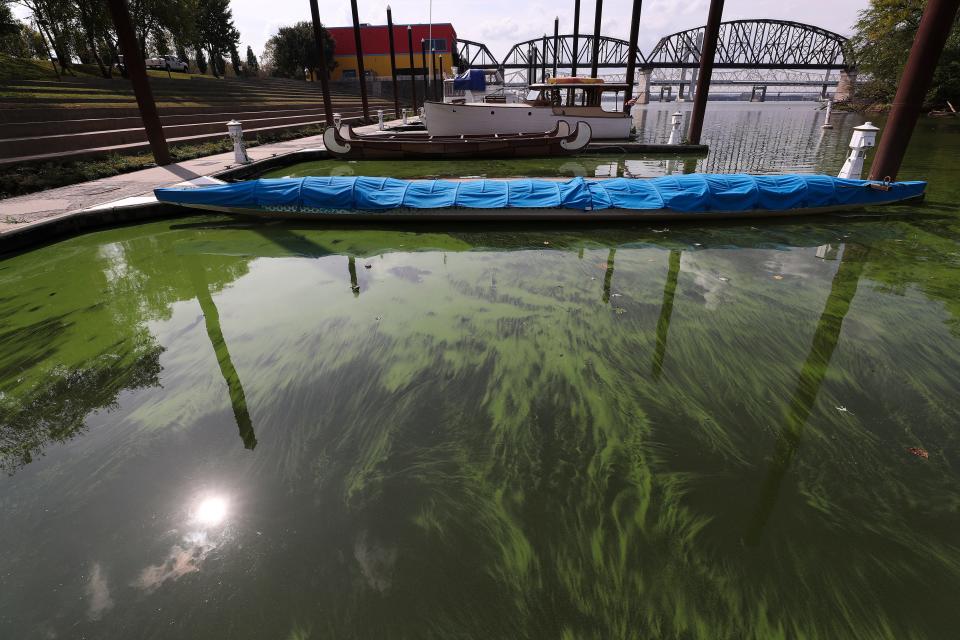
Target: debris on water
(724, 279)
(778, 277)
(660, 230)
(368, 266)
(620, 311)
(378, 318)
(603, 265)
(545, 242)
(843, 409)
(616, 295)
(920, 453)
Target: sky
(501, 23)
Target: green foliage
(253, 67)
(882, 40)
(292, 50)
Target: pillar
(643, 86)
(595, 55)
(393, 65)
(137, 71)
(710, 36)
(845, 85)
(576, 37)
(361, 73)
(632, 55)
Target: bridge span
(755, 53)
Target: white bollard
(405, 116)
(826, 119)
(337, 119)
(676, 119)
(380, 119)
(423, 116)
(864, 137)
(235, 131)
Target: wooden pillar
(935, 25)
(426, 75)
(413, 77)
(556, 42)
(393, 66)
(576, 36)
(594, 58)
(433, 70)
(361, 73)
(543, 59)
(137, 70)
(322, 71)
(707, 52)
(632, 56)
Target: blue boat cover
(470, 80)
(692, 193)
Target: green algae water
(222, 429)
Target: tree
(881, 43)
(215, 29)
(292, 51)
(200, 59)
(253, 67)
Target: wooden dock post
(413, 77)
(594, 58)
(935, 25)
(361, 73)
(632, 56)
(393, 65)
(556, 40)
(322, 71)
(137, 70)
(576, 36)
(543, 59)
(707, 52)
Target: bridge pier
(758, 96)
(666, 89)
(846, 85)
(642, 88)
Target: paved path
(24, 211)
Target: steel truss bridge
(749, 52)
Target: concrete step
(35, 113)
(134, 147)
(65, 143)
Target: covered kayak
(666, 197)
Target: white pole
(430, 36)
(826, 120)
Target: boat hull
(694, 197)
(444, 119)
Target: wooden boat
(343, 142)
(695, 196)
(571, 101)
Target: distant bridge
(755, 52)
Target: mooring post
(137, 71)
(322, 57)
(675, 134)
(361, 74)
(413, 77)
(235, 131)
(709, 49)
(556, 41)
(935, 25)
(632, 56)
(596, 40)
(864, 137)
(440, 80)
(576, 37)
(433, 69)
(826, 119)
(393, 65)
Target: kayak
(692, 196)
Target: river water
(212, 428)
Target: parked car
(167, 63)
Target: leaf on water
(920, 453)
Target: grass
(25, 178)
(13, 69)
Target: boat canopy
(681, 193)
(470, 80)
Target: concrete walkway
(42, 207)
